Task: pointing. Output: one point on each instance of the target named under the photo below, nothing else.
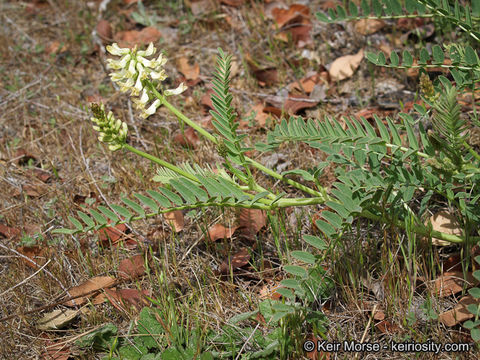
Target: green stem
(421, 230)
(160, 162)
(176, 169)
(213, 139)
(470, 150)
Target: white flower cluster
(111, 131)
(133, 70)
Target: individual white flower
(178, 90)
(148, 52)
(151, 110)
(161, 75)
(114, 49)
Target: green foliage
(457, 15)
(388, 171)
(464, 63)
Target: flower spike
(134, 71)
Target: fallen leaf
(260, 115)
(55, 47)
(452, 282)
(218, 231)
(206, 100)
(234, 3)
(42, 175)
(458, 314)
(133, 297)
(329, 4)
(238, 260)
(134, 37)
(111, 235)
(445, 222)
(23, 158)
(295, 103)
(201, 7)
(269, 291)
(344, 67)
(55, 350)
(9, 232)
(295, 14)
(368, 26)
(306, 84)
(175, 219)
(37, 254)
(132, 267)
(266, 77)
(34, 191)
(104, 30)
(88, 287)
(301, 35)
(251, 221)
(188, 138)
(453, 263)
(57, 319)
(387, 327)
(191, 72)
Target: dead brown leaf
(188, 138)
(445, 222)
(57, 319)
(37, 254)
(87, 287)
(131, 297)
(132, 267)
(452, 282)
(295, 103)
(266, 77)
(55, 350)
(251, 221)
(104, 30)
(295, 14)
(368, 26)
(218, 231)
(175, 219)
(387, 327)
(111, 234)
(260, 115)
(458, 314)
(9, 232)
(344, 67)
(269, 291)
(306, 84)
(190, 71)
(238, 260)
(135, 37)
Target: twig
(32, 261)
(59, 302)
(26, 279)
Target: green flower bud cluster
(111, 131)
(134, 71)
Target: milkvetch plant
(388, 172)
